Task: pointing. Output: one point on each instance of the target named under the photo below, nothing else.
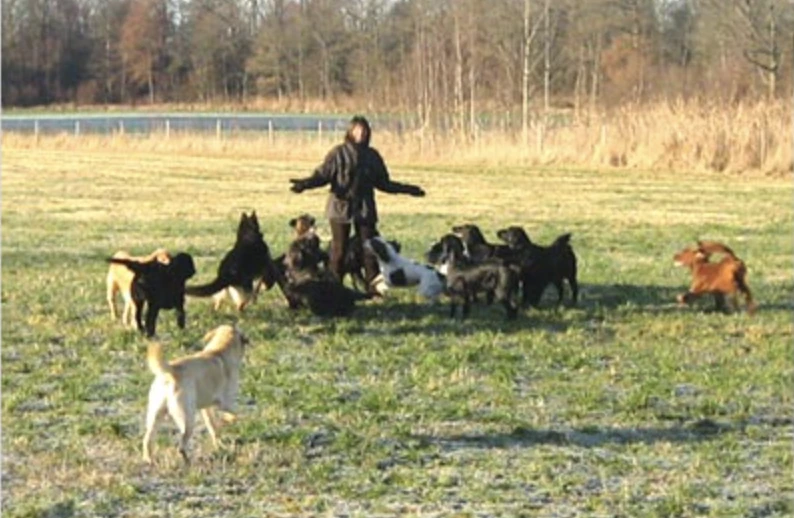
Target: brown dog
(726, 277)
(119, 280)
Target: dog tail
(156, 362)
(206, 290)
(133, 265)
(715, 247)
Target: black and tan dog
(159, 286)
(466, 278)
(477, 249)
(543, 265)
(304, 252)
(247, 261)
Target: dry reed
(672, 136)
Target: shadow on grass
(642, 298)
(406, 316)
(586, 437)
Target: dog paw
(228, 417)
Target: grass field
(626, 405)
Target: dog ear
(293, 222)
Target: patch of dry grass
(685, 137)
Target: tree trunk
(458, 101)
(546, 60)
(525, 75)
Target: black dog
(159, 286)
(547, 265)
(465, 278)
(354, 263)
(324, 297)
(248, 260)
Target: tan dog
(201, 381)
(726, 277)
(119, 280)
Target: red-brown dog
(726, 277)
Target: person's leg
(371, 268)
(340, 235)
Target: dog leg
(156, 406)
(206, 415)
(748, 296)
(560, 290)
(510, 309)
(128, 314)
(228, 417)
(574, 290)
(111, 297)
(217, 299)
(466, 305)
(719, 302)
(239, 298)
(184, 420)
(151, 319)
(180, 317)
(139, 315)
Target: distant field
(626, 405)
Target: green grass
(626, 405)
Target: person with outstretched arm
(354, 170)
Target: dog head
(514, 237)
(229, 340)
(248, 228)
(690, 256)
(160, 255)
(304, 252)
(183, 266)
(382, 249)
(302, 225)
(448, 247)
(469, 233)
(433, 254)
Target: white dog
(201, 381)
(397, 271)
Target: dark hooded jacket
(354, 171)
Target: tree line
(444, 61)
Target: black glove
(297, 186)
(416, 191)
